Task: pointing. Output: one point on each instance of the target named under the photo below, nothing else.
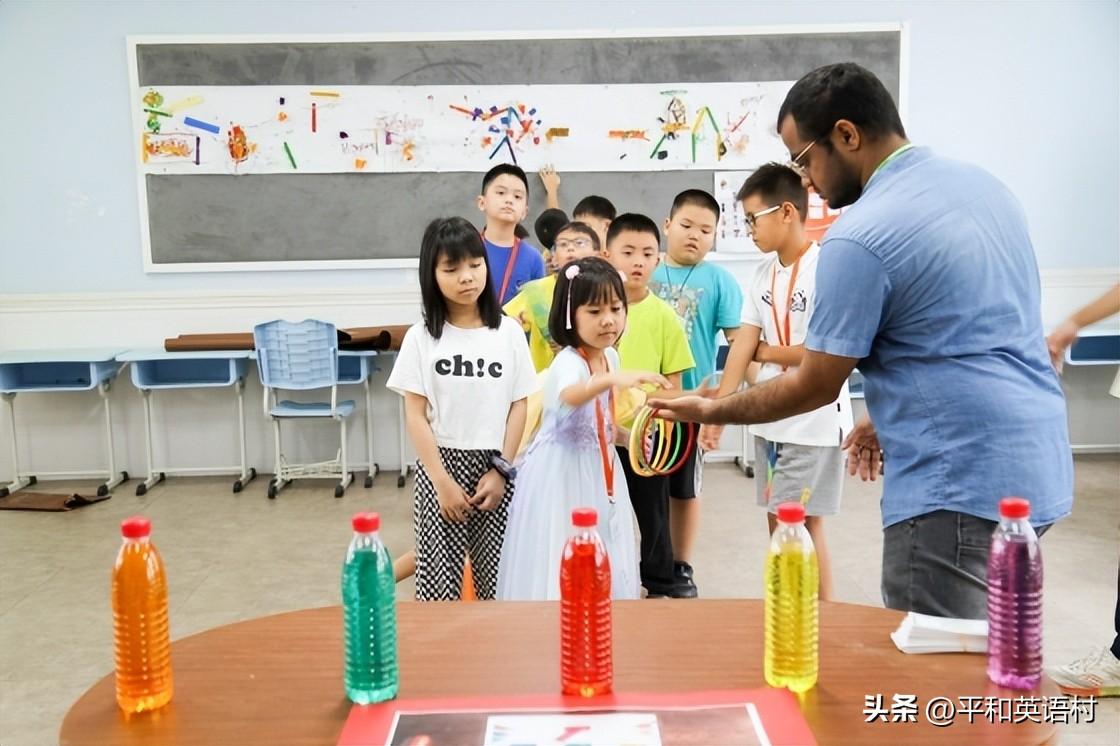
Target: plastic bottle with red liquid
(140, 624)
(586, 667)
(1015, 599)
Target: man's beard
(845, 192)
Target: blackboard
(268, 221)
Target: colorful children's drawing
(243, 129)
(169, 146)
(239, 146)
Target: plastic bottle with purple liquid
(1015, 599)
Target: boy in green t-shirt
(654, 340)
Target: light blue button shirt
(931, 281)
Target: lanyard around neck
(890, 158)
(669, 281)
(509, 266)
(606, 453)
(785, 340)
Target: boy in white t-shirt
(799, 458)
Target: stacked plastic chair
(298, 357)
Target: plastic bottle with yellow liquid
(791, 649)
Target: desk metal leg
(405, 466)
(153, 478)
(115, 478)
(373, 467)
(247, 474)
(347, 475)
(18, 481)
(278, 479)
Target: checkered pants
(441, 546)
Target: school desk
(358, 366)
(53, 371)
(278, 679)
(1094, 347)
(153, 369)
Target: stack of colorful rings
(659, 447)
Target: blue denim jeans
(937, 563)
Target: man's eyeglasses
(796, 163)
(752, 217)
(573, 243)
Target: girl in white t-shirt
(465, 374)
(572, 461)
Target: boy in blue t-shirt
(505, 202)
(708, 300)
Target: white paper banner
(319, 129)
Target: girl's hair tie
(571, 272)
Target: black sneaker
(684, 587)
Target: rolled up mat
(48, 501)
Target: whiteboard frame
(133, 41)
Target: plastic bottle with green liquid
(370, 615)
(792, 577)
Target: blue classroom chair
(299, 357)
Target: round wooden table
(278, 679)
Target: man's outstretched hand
(695, 407)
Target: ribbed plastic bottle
(791, 656)
(1015, 599)
(370, 615)
(586, 667)
(141, 635)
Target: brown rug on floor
(47, 501)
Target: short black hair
(504, 168)
(776, 183)
(520, 231)
(596, 282)
(454, 239)
(578, 227)
(696, 198)
(635, 222)
(596, 207)
(548, 225)
(841, 91)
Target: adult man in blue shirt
(929, 284)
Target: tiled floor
(236, 557)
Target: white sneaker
(1097, 674)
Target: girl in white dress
(572, 462)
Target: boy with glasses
(798, 458)
(533, 303)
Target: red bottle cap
(1014, 507)
(585, 517)
(136, 527)
(366, 523)
(791, 512)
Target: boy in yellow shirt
(532, 304)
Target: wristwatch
(503, 467)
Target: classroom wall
(1025, 89)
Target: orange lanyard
(785, 340)
(509, 266)
(605, 450)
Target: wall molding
(327, 297)
(208, 299)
